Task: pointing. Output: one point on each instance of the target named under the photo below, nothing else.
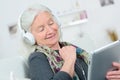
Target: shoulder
(35, 55)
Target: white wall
(99, 20)
(90, 35)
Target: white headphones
(27, 36)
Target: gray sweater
(40, 69)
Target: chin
(54, 42)
(51, 43)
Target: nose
(49, 29)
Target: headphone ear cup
(29, 38)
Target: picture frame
(106, 2)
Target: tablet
(101, 60)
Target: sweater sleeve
(41, 70)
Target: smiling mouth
(50, 37)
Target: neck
(55, 46)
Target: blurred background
(85, 23)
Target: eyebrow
(50, 19)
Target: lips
(52, 36)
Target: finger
(115, 77)
(116, 64)
(110, 73)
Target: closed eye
(50, 22)
(41, 28)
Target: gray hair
(27, 17)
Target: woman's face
(45, 29)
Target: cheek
(56, 27)
(39, 37)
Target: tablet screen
(101, 60)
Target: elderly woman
(52, 59)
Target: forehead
(43, 15)
(42, 18)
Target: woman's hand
(114, 74)
(68, 54)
